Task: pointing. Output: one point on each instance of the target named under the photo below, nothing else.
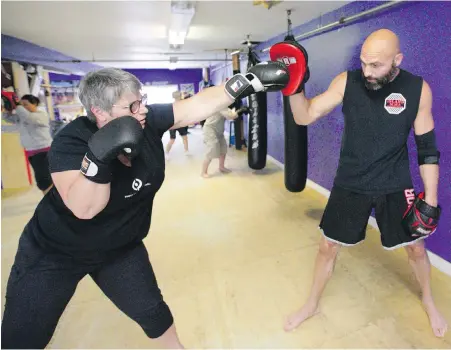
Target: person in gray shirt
(34, 129)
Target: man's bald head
(380, 57)
(383, 42)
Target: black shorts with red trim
(345, 218)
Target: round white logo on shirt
(136, 185)
(395, 103)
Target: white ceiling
(130, 32)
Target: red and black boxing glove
(421, 219)
(295, 58)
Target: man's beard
(381, 82)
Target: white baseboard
(436, 261)
(276, 162)
(440, 263)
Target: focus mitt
(295, 57)
(9, 100)
(421, 219)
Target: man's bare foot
(294, 320)
(205, 175)
(437, 321)
(225, 170)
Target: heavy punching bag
(237, 123)
(296, 150)
(296, 145)
(258, 125)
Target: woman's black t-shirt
(126, 218)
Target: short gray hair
(102, 89)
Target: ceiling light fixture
(182, 13)
(176, 38)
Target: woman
(34, 130)
(107, 168)
(214, 139)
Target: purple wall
(179, 76)
(63, 77)
(15, 49)
(426, 44)
(151, 76)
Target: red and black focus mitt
(295, 57)
(421, 219)
(9, 100)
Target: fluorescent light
(176, 38)
(182, 13)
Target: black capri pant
(41, 285)
(182, 131)
(40, 165)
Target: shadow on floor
(315, 214)
(266, 171)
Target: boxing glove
(264, 76)
(421, 219)
(121, 135)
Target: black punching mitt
(421, 219)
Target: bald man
(381, 103)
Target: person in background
(182, 131)
(34, 130)
(214, 139)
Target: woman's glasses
(135, 105)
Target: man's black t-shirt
(126, 218)
(374, 156)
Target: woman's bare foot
(205, 175)
(294, 320)
(437, 321)
(224, 170)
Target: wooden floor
(234, 255)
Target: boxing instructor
(381, 103)
(107, 168)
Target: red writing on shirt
(395, 103)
